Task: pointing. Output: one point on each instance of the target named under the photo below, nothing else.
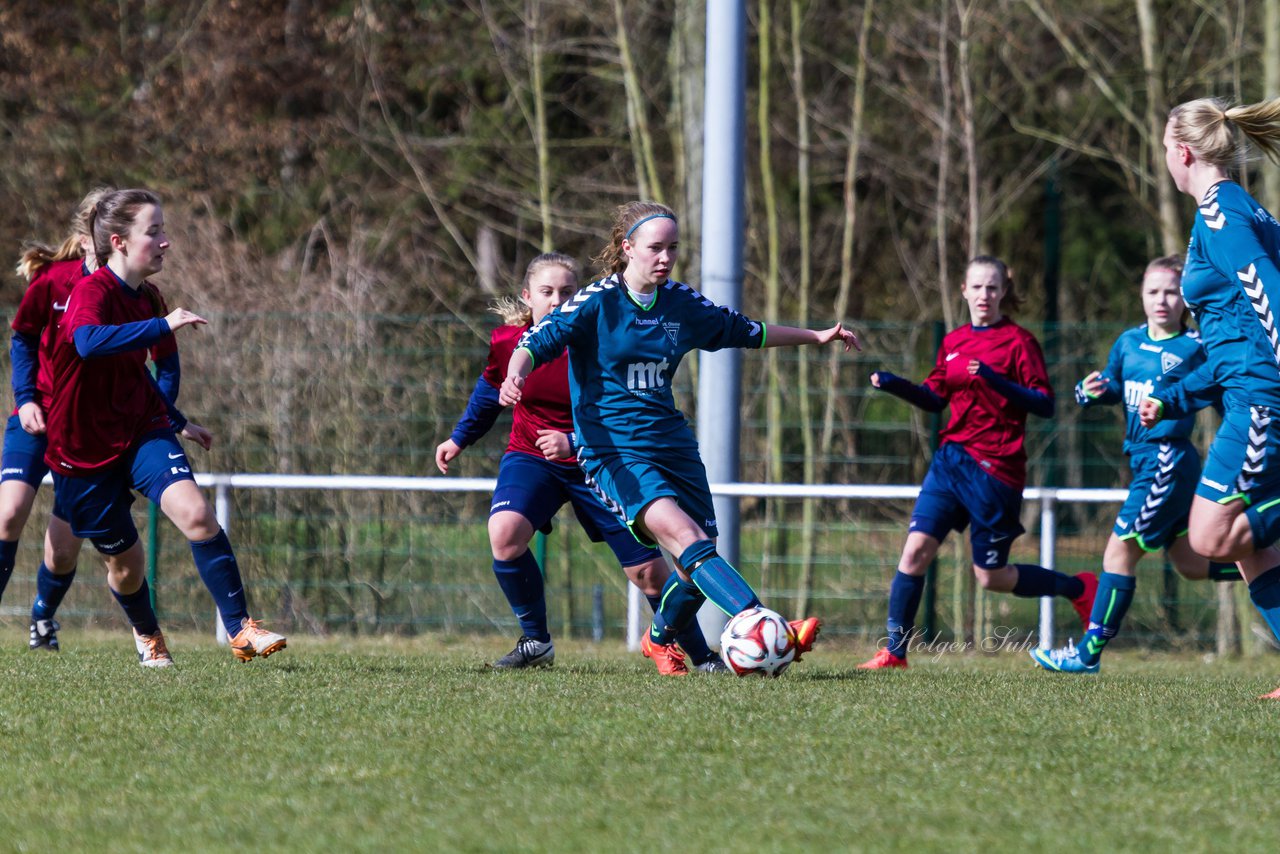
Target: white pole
(1048, 533)
(222, 510)
(637, 607)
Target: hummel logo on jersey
(1168, 362)
(642, 376)
(1150, 348)
(646, 321)
(57, 307)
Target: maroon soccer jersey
(983, 421)
(103, 404)
(544, 403)
(40, 312)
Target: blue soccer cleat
(1064, 660)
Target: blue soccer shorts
(1164, 482)
(956, 493)
(23, 456)
(97, 505)
(1242, 463)
(537, 488)
(628, 483)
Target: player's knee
(506, 541)
(1215, 544)
(648, 577)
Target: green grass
(380, 745)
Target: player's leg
(53, 580)
(21, 470)
(160, 471)
(527, 495)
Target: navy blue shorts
(627, 484)
(23, 456)
(537, 488)
(96, 506)
(1159, 502)
(958, 492)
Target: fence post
(1048, 551)
(222, 511)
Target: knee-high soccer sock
(1264, 520)
(690, 638)
(521, 582)
(50, 589)
(1115, 595)
(904, 600)
(138, 610)
(1223, 571)
(1265, 593)
(8, 555)
(717, 579)
(675, 610)
(1036, 581)
(216, 563)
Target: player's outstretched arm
(520, 366)
(916, 395)
(792, 336)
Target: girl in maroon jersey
(112, 430)
(991, 373)
(50, 274)
(539, 474)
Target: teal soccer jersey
(622, 358)
(1232, 286)
(1140, 367)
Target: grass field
(413, 745)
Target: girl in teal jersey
(626, 335)
(1231, 283)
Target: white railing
(1049, 498)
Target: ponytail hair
(1011, 300)
(1220, 133)
(36, 256)
(515, 311)
(626, 218)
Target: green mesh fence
(341, 394)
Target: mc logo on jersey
(1134, 392)
(642, 376)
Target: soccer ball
(758, 642)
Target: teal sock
(676, 609)
(1115, 595)
(717, 579)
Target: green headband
(643, 220)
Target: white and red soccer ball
(758, 642)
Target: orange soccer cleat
(253, 639)
(883, 660)
(806, 632)
(152, 651)
(1084, 602)
(667, 656)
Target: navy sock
(1265, 593)
(8, 555)
(676, 610)
(1223, 571)
(717, 579)
(50, 589)
(904, 600)
(138, 610)
(521, 582)
(220, 573)
(1115, 595)
(1036, 581)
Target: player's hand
(554, 444)
(845, 335)
(197, 434)
(1094, 384)
(446, 451)
(1150, 411)
(180, 317)
(974, 367)
(875, 379)
(31, 416)
(511, 391)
